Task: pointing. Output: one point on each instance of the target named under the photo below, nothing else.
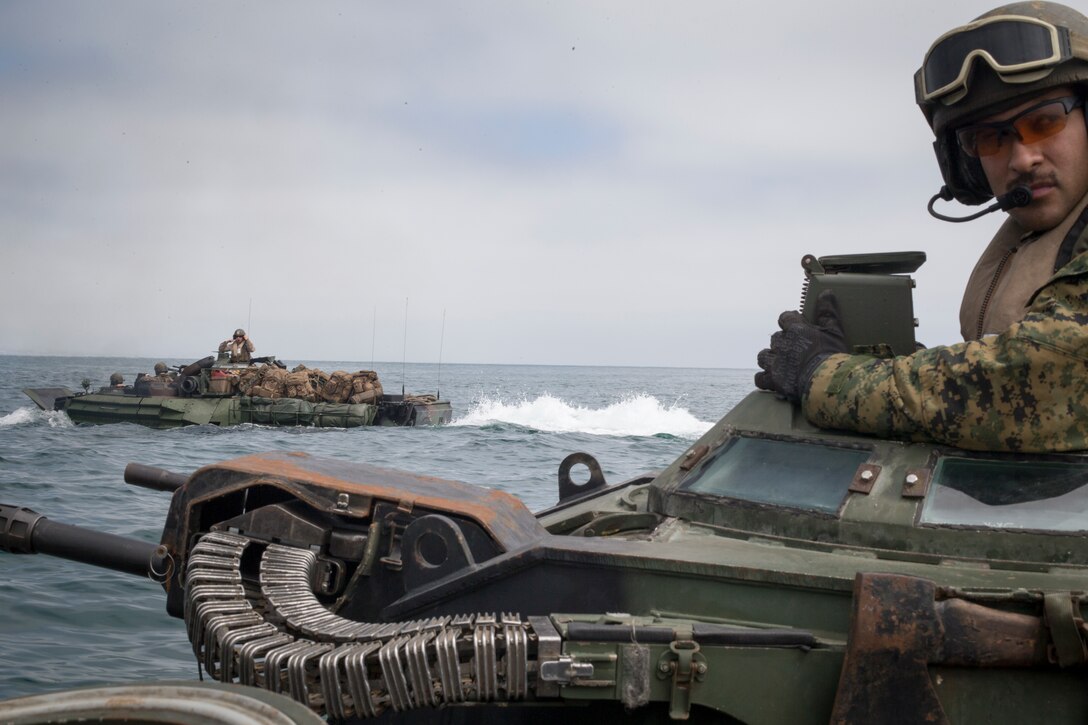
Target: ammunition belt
(285, 640)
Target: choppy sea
(64, 624)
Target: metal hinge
(686, 665)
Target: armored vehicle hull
(773, 573)
(208, 392)
(174, 412)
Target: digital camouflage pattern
(1023, 390)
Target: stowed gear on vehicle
(218, 392)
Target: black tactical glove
(799, 347)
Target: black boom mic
(1019, 196)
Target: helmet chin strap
(1019, 196)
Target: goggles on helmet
(1010, 44)
(1040, 121)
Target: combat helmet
(239, 332)
(1008, 53)
(117, 379)
(160, 368)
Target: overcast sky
(602, 183)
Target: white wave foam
(637, 415)
(30, 416)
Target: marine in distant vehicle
(239, 346)
(217, 391)
(163, 374)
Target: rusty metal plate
(916, 483)
(693, 456)
(864, 478)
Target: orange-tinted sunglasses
(1043, 120)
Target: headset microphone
(1018, 196)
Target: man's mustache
(1032, 180)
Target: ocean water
(64, 624)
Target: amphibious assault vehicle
(773, 573)
(208, 392)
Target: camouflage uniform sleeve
(1023, 390)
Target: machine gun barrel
(23, 531)
(157, 479)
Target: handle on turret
(157, 479)
(23, 531)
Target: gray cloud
(588, 183)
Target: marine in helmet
(239, 346)
(162, 373)
(117, 380)
(1005, 98)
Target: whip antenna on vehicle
(404, 348)
(373, 335)
(249, 317)
(441, 342)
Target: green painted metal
(773, 573)
(749, 563)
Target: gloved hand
(799, 347)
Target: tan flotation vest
(1016, 264)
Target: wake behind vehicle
(773, 573)
(217, 392)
